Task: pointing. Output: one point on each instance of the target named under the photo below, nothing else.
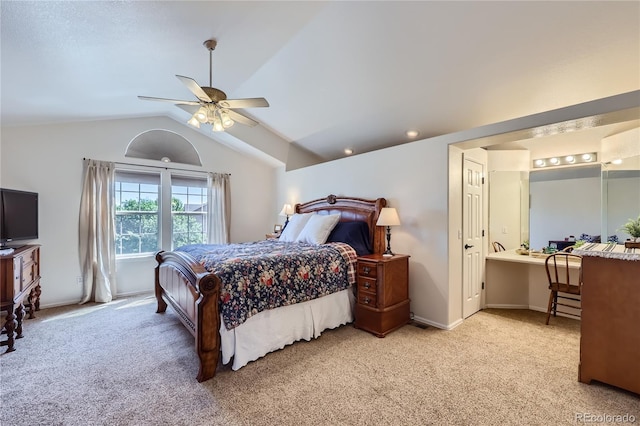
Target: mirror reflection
(509, 207)
(565, 205)
(620, 195)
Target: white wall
(413, 178)
(48, 159)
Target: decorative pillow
(356, 234)
(295, 225)
(318, 228)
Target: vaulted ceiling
(336, 74)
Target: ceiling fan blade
(195, 88)
(237, 117)
(173, 101)
(191, 109)
(244, 103)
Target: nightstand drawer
(367, 269)
(368, 285)
(368, 299)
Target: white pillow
(318, 228)
(295, 225)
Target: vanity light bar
(565, 160)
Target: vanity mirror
(620, 195)
(564, 202)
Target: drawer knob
(367, 285)
(367, 300)
(366, 270)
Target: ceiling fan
(212, 106)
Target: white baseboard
(436, 324)
(507, 306)
(77, 301)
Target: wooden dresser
(19, 286)
(610, 340)
(383, 293)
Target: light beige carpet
(123, 364)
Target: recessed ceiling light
(412, 133)
(348, 151)
(165, 159)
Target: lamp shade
(287, 210)
(388, 217)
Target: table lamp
(287, 211)
(388, 217)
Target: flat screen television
(18, 216)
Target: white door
(472, 238)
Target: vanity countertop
(611, 251)
(513, 256)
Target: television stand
(19, 281)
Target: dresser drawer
(366, 269)
(368, 299)
(31, 256)
(28, 274)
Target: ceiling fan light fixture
(226, 120)
(217, 124)
(194, 121)
(201, 115)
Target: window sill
(135, 257)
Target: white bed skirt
(273, 329)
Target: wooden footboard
(193, 293)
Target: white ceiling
(336, 74)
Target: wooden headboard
(351, 210)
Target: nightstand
(272, 236)
(383, 293)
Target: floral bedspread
(268, 274)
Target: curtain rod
(118, 163)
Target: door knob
(467, 246)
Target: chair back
(558, 272)
(497, 246)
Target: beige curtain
(97, 233)
(220, 208)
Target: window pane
(137, 227)
(178, 202)
(128, 186)
(188, 206)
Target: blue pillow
(356, 234)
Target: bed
(184, 280)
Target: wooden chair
(497, 246)
(563, 285)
